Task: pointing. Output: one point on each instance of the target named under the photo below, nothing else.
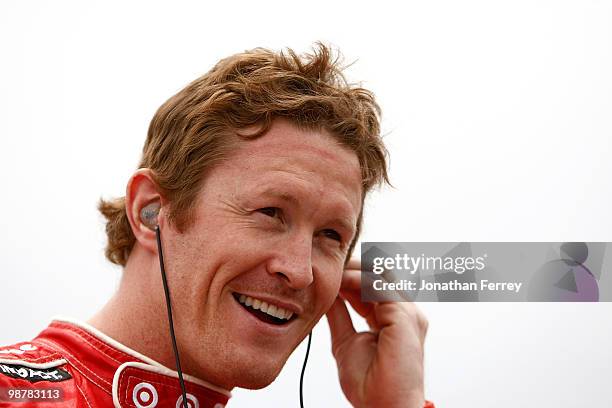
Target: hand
(382, 367)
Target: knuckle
(424, 323)
(411, 312)
(416, 317)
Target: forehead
(291, 161)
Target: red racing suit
(71, 364)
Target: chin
(256, 380)
(252, 377)
(258, 373)
(251, 371)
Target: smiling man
(254, 175)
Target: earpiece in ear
(148, 215)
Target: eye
(270, 211)
(332, 234)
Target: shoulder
(31, 353)
(31, 371)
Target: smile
(263, 310)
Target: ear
(141, 191)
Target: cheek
(215, 257)
(328, 286)
(191, 262)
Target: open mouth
(264, 311)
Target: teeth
(272, 310)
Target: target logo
(145, 396)
(192, 402)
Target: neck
(136, 314)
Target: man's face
(272, 230)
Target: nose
(293, 261)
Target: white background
(497, 115)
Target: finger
(404, 314)
(351, 279)
(350, 289)
(353, 263)
(354, 299)
(340, 324)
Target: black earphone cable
(304, 370)
(169, 309)
(173, 337)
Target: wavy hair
(196, 128)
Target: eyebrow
(343, 221)
(280, 195)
